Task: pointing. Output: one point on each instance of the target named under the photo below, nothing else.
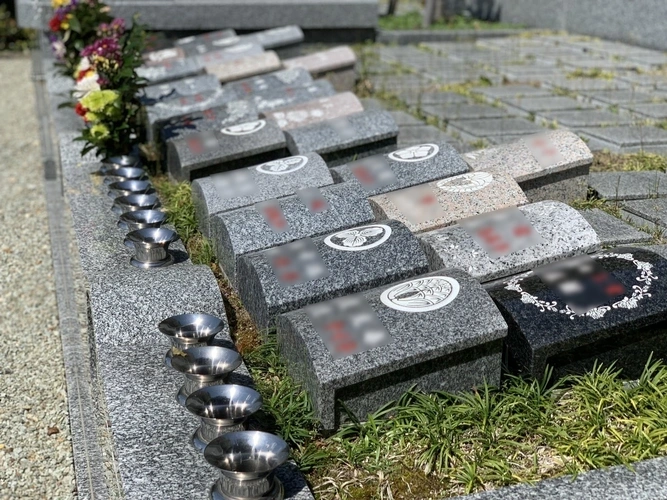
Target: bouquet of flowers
(106, 89)
(74, 25)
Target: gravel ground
(35, 446)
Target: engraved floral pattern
(639, 292)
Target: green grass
(590, 73)
(413, 21)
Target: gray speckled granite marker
(238, 232)
(295, 77)
(564, 231)
(628, 185)
(351, 269)
(275, 99)
(441, 203)
(282, 37)
(158, 113)
(347, 139)
(255, 184)
(216, 118)
(654, 210)
(613, 231)
(245, 67)
(409, 166)
(180, 68)
(446, 348)
(189, 43)
(179, 88)
(563, 176)
(241, 50)
(544, 330)
(236, 146)
(318, 110)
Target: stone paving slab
(613, 231)
(527, 106)
(447, 112)
(654, 210)
(628, 185)
(583, 84)
(408, 136)
(619, 97)
(654, 110)
(587, 118)
(628, 139)
(474, 130)
(511, 91)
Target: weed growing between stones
(413, 21)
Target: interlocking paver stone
(653, 210)
(631, 139)
(613, 231)
(628, 185)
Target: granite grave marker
(564, 232)
(402, 168)
(318, 110)
(337, 64)
(430, 340)
(426, 207)
(243, 187)
(179, 88)
(295, 77)
(308, 271)
(547, 166)
(235, 146)
(602, 309)
(276, 99)
(310, 212)
(245, 67)
(347, 138)
(171, 70)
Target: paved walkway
(612, 94)
(35, 447)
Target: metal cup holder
(191, 330)
(202, 367)
(133, 202)
(151, 247)
(125, 174)
(221, 409)
(112, 163)
(126, 188)
(247, 461)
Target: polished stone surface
(351, 261)
(564, 231)
(402, 168)
(179, 88)
(315, 111)
(544, 330)
(427, 207)
(445, 348)
(311, 212)
(346, 139)
(254, 184)
(245, 67)
(241, 145)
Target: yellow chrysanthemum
(98, 100)
(99, 131)
(59, 3)
(91, 117)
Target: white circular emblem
(466, 183)
(420, 152)
(283, 166)
(186, 40)
(359, 238)
(421, 294)
(244, 128)
(163, 55)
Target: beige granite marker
(163, 56)
(336, 64)
(246, 67)
(441, 203)
(318, 110)
(548, 166)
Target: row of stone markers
(380, 267)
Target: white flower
(85, 85)
(58, 48)
(84, 65)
